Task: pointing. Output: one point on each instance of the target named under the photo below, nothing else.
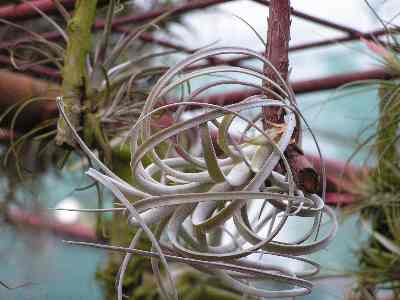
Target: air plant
(377, 201)
(102, 94)
(116, 85)
(189, 197)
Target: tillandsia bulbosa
(188, 197)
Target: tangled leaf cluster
(201, 203)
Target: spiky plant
(101, 90)
(378, 195)
(108, 89)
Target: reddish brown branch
(277, 52)
(303, 86)
(326, 42)
(178, 9)
(130, 19)
(317, 20)
(54, 35)
(24, 11)
(43, 222)
(149, 38)
(18, 88)
(339, 199)
(303, 171)
(300, 87)
(36, 70)
(368, 35)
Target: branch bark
(16, 88)
(25, 11)
(277, 52)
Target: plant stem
(277, 52)
(278, 36)
(74, 84)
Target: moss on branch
(74, 73)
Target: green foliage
(387, 141)
(379, 201)
(75, 74)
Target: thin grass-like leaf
(48, 19)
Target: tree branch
(277, 52)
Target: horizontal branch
(47, 72)
(193, 5)
(139, 18)
(149, 38)
(46, 223)
(178, 9)
(16, 88)
(300, 87)
(24, 10)
(318, 20)
(310, 45)
(339, 199)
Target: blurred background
(341, 119)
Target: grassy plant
(378, 203)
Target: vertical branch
(74, 72)
(277, 52)
(278, 36)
